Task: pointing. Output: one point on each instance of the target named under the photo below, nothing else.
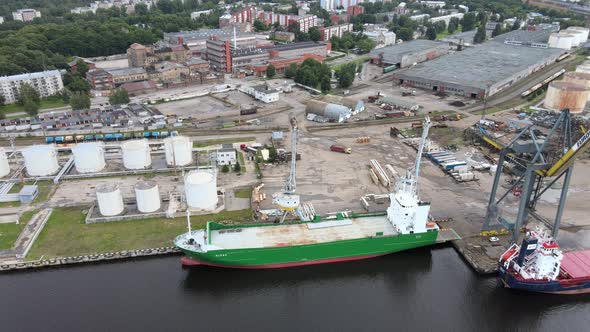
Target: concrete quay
(85, 259)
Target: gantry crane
(536, 165)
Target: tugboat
(539, 265)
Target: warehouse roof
(394, 53)
(538, 34)
(480, 66)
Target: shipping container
(49, 139)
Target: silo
(200, 188)
(179, 150)
(578, 78)
(136, 154)
(4, 166)
(564, 41)
(110, 200)
(89, 157)
(41, 160)
(561, 94)
(148, 196)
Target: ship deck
(576, 263)
(307, 233)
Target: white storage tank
(136, 154)
(583, 32)
(45, 153)
(89, 157)
(179, 150)
(148, 196)
(4, 166)
(578, 37)
(564, 41)
(561, 94)
(110, 200)
(200, 188)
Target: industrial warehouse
(409, 53)
(478, 72)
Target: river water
(428, 289)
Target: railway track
(362, 123)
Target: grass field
(66, 234)
(243, 193)
(45, 104)
(242, 162)
(9, 232)
(204, 143)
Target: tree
(431, 33)
(28, 93)
(225, 169)
(346, 75)
(468, 22)
(453, 25)
(2, 100)
(291, 71)
(480, 35)
(516, 25)
(260, 26)
(141, 9)
(271, 71)
(119, 96)
(31, 108)
(237, 167)
(366, 45)
(80, 101)
(497, 30)
(314, 34)
(77, 83)
(81, 68)
(405, 34)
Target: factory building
(226, 155)
(478, 72)
(409, 53)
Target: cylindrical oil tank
(584, 32)
(41, 160)
(179, 150)
(136, 154)
(564, 41)
(200, 188)
(89, 157)
(148, 196)
(578, 78)
(561, 94)
(4, 166)
(110, 200)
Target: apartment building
(26, 15)
(46, 83)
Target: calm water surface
(420, 290)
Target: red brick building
(281, 64)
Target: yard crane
(287, 200)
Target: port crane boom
(287, 200)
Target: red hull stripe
(187, 261)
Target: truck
(408, 93)
(340, 149)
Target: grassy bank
(45, 104)
(243, 193)
(66, 234)
(10, 232)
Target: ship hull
(310, 254)
(567, 286)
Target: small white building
(381, 36)
(26, 15)
(433, 4)
(261, 92)
(197, 14)
(1, 19)
(226, 155)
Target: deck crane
(287, 200)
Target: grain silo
(4, 166)
(110, 200)
(179, 150)
(41, 160)
(561, 94)
(331, 112)
(89, 157)
(148, 196)
(136, 154)
(200, 188)
(562, 40)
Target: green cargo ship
(344, 237)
